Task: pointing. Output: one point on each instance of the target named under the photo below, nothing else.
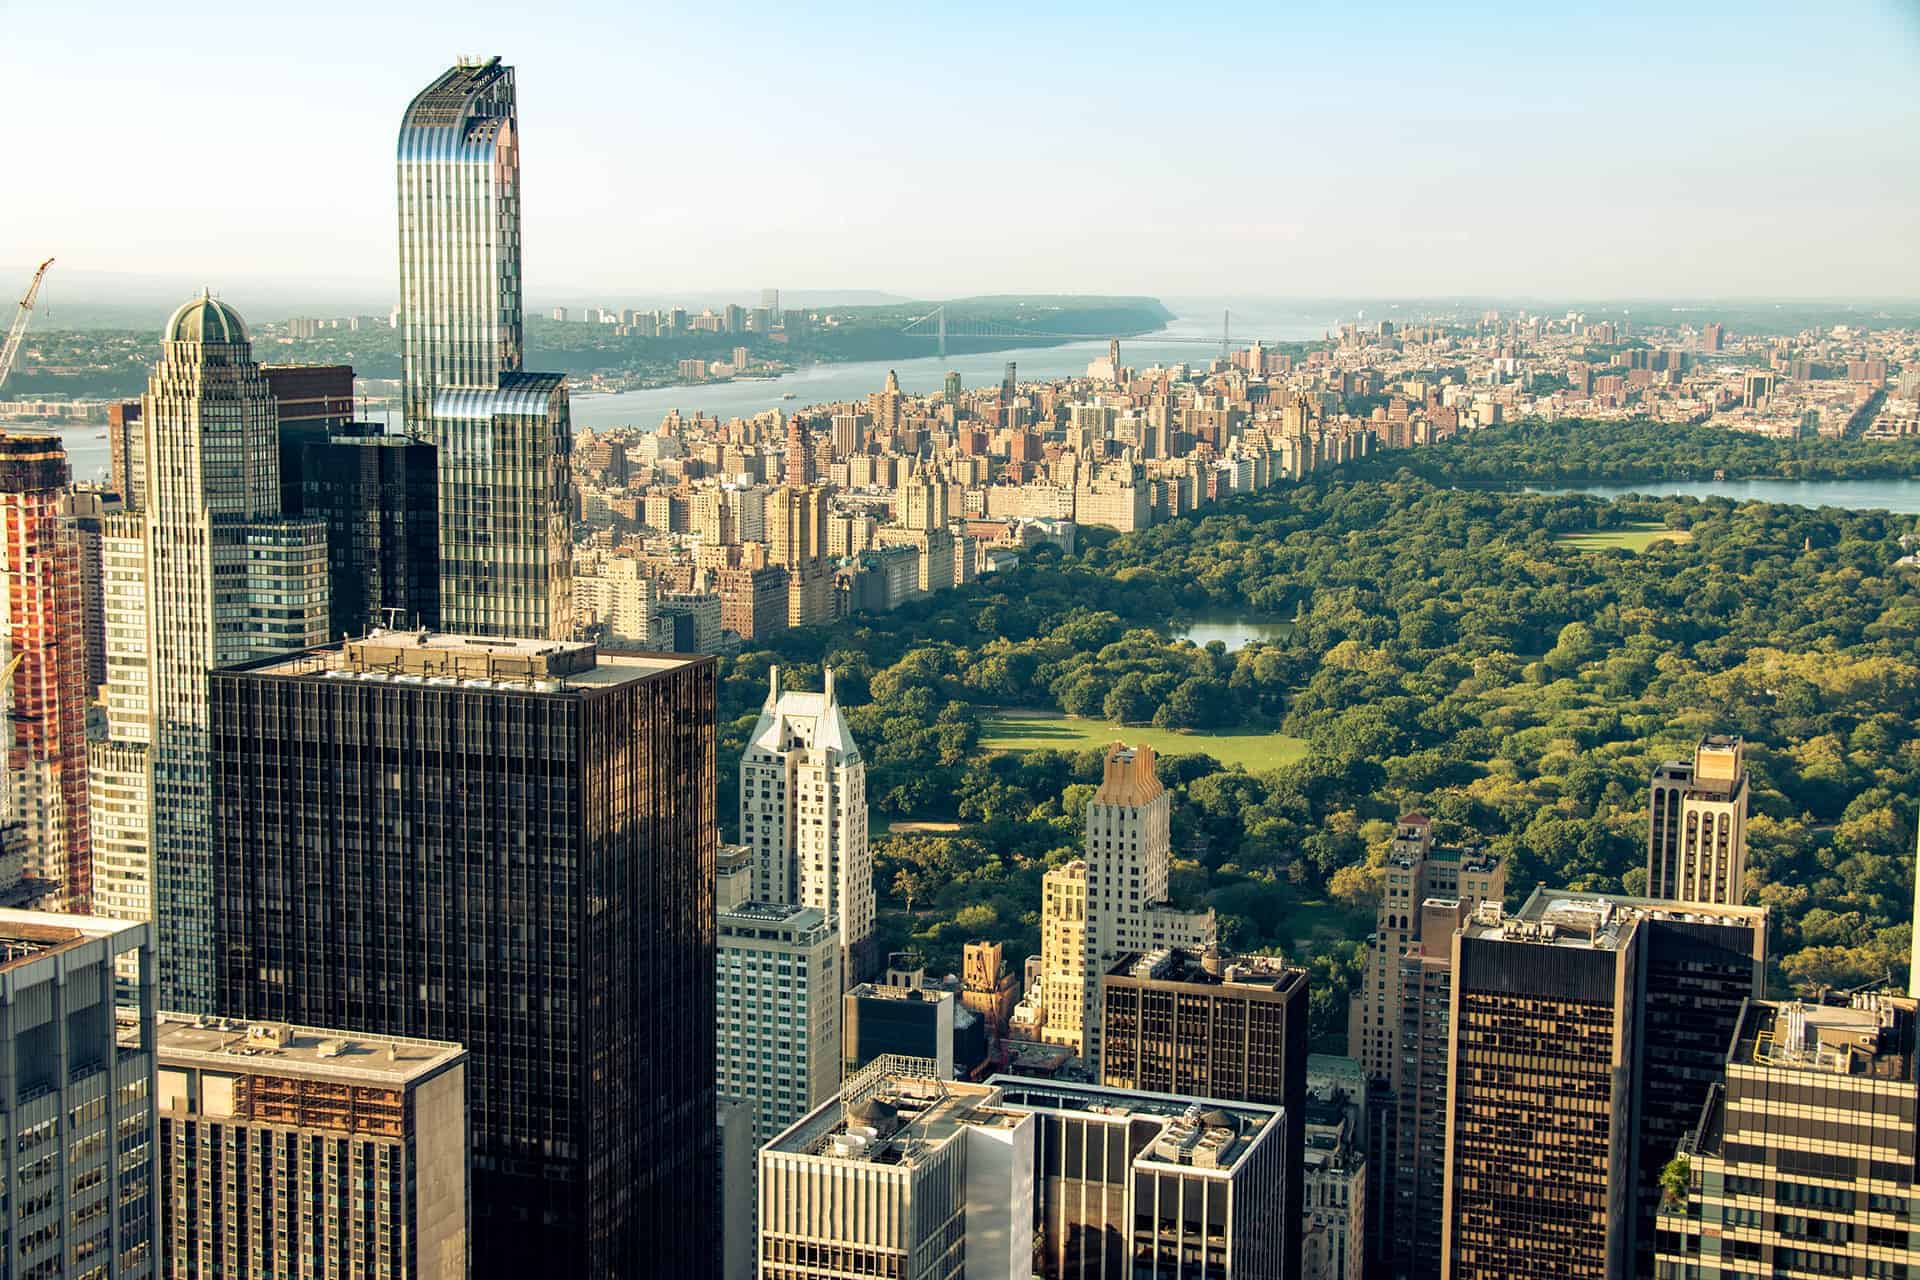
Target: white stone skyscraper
(504, 435)
(223, 578)
(803, 813)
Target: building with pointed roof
(803, 813)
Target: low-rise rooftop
(443, 659)
(284, 1049)
(1211, 967)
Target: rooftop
(1211, 967)
(444, 659)
(1872, 1035)
(27, 935)
(1599, 921)
(894, 1112)
(279, 1048)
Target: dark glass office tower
(508, 844)
(378, 494)
(1208, 1025)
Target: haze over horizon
(1716, 152)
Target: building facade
(503, 435)
(910, 1176)
(1392, 1016)
(508, 845)
(76, 1097)
(227, 579)
(300, 1151)
(46, 703)
(776, 1011)
(1113, 901)
(1204, 1025)
(1584, 1026)
(1697, 826)
(379, 497)
(1803, 1161)
(803, 811)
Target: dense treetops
(1451, 654)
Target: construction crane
(19, 328)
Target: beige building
(776, 1011)
(1697, 825)
(285, 1149)
(1113, 902)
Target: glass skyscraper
(503, 435)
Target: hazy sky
(934, 149)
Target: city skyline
(1505, 152)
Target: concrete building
(508, 844)
(76, 1097)
(298, 1151)
(1333, 1244)
(228, 578)
(738, 1155)
(42, 629)
(776, 1011)
(1802, 1162)
(1205, 1025)
(503, 435)
(1396, 1030)
(1334, 1181)
(1697, 828)
(1622, 1005)
(910, 1176)
(803, 811)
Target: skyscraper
(803, 812)
(1586, 1032)
(47, 703)
(508, 844)
(777, 1011)
(227, 579)
(1114, 902)
(1205, 1025)
(1697, 828)
(76, 1097)
(503, 435)
(1802, 1162)
(1396, 1030)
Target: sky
(945, 149)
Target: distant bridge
(936, 326)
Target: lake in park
(1902, 495)
(1235, 633)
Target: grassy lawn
(880, 825)
(1020, 730)
(1635, 538)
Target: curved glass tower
(504, 436)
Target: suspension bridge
(937, 326)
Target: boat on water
(788, 396)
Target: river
(826, 383)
